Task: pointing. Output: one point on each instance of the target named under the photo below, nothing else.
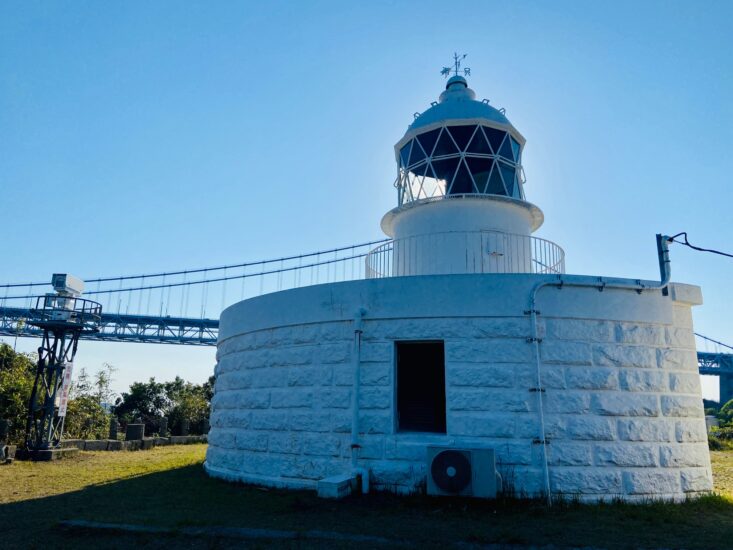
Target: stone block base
(47, 454)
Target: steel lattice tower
(63, 317)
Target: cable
(687, 243)
(714, 341)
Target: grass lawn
(167, 487)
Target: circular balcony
(465, 252)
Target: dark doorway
(421, 387)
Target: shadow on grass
(187, 497)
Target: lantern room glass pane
(495, 138)
(506, 150)
(445, 145)
(428, 139)
(478, 144)
(496, 186)
(515, 148)
(508, 173)
(445, 169)
(462, 183)
(405, 153)
(461, 135)
(480, 169)
(417, 153)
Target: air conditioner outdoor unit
(462, 472)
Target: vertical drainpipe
(359, 473)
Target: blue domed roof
(457, 102)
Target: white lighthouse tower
(467, 151)
(466, 349)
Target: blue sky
(137, 137)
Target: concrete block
(291, 398)
(464, 399)
(630, 454)
(678, 360)
(591, 428)
(586, 481)
(321, 445)
(566, 353)
(643, 380)
(572, 402)
(609, 355)
(336, 487)
(269, 420)
(625, 404)
(685, 383)
(115, 445)
(579, 330)
(374, 374)
(682, 406)
(679, 456)
(561, 453)
(552, 376)
(632, 429)
(310, 375)
(251, 441)
(680, 338)
(488, 351)
(308, 421)
(490, 376)
(377, 352)
(332, 353)
(377, 397)
(162, 441)
(652, 482)
(696, 480)
(480, 426)
(147, 443)
(95, 445)
(335, 398)
(649, 335)
(591, 378)
(691, 431)
(285, 443)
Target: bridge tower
(63, 317)
(726, 377)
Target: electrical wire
(687, 243)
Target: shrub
(17, 374)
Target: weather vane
(445, 71)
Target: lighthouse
(465, 361)
(461, 206)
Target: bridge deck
(126, 328)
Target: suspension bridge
(182, 307)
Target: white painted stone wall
(622, 402)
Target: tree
(17, 374)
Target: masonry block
(638, 357)
(625, 404)
(682, 406)
(586, 481)
(644, 380)
(591, 378)
(633, 429)
(690, 454)
(490, 376)
(651, 482)
(567, 353)
(696, 480)
(629, 454)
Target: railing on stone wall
(465, 252)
